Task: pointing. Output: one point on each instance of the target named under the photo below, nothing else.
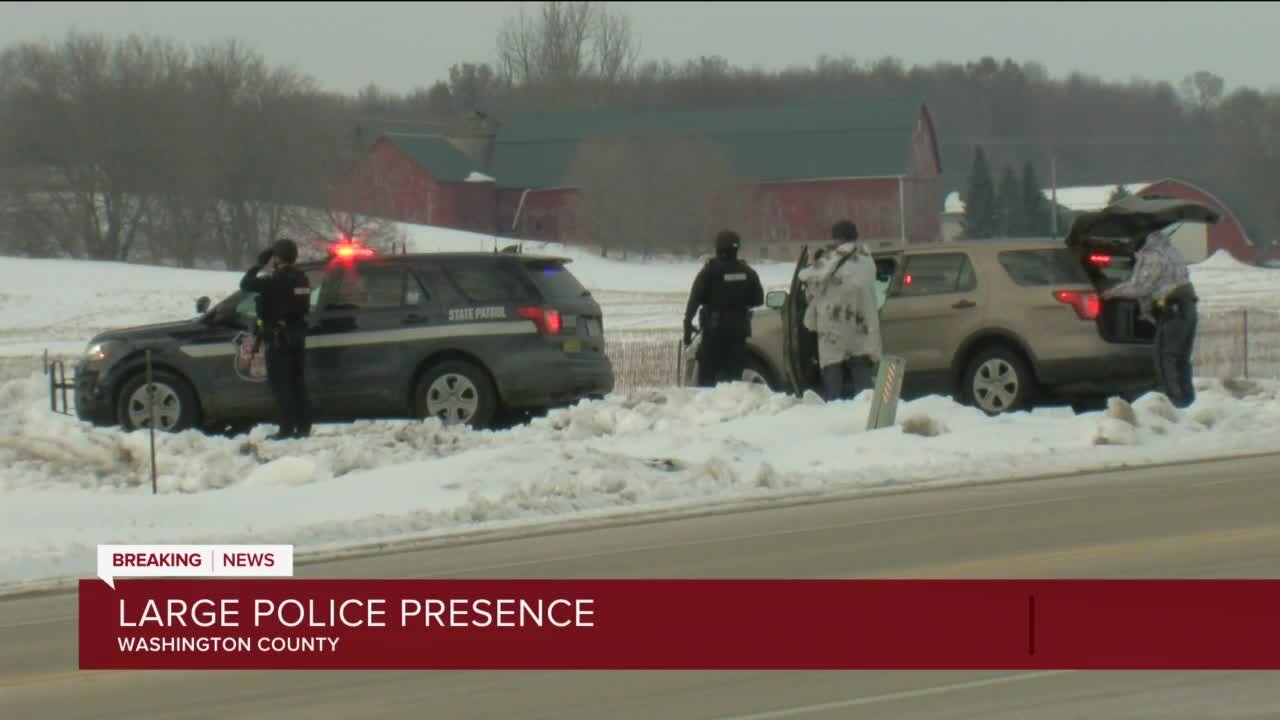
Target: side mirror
(202, 305)
(776, 299)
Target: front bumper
(92, 398)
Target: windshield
(240, 308)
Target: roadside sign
(884, 404)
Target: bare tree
(1203, 89)
(566, 44)
(652, 193)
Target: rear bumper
(553, 382)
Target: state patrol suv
(458, 336)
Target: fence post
(1246, 343)
(151, 410)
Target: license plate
(572, 346)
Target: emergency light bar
(347, 251)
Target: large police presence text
(361, 612)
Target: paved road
(1210, 520)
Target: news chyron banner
(238, 607)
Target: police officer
(725, 289)
(284, 294)
(1161, 284)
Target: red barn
(421, 179)
(802, 165)
(1197, 241)
(799, 168)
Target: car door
(353, 343)
(239, 389)
(934, 303)
(799, 344)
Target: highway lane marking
(896, 696)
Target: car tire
(456, 392)
(756, 372)
(998, 380)
(175, 408)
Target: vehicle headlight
(98, 352)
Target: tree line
(164, 153)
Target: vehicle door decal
(251, 361)
(376, 337)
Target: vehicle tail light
(1087, 305)
(547, 319)
(1099, 260)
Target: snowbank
(1223, 260)
(66, 487)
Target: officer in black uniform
(284, 299)
(725, 289)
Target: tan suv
(998, 324)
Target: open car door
(800, 345)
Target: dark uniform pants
(846, 379)
(286, 374)
(1174, 342)
(722, 357)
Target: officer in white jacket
(844, 312)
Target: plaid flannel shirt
(1158, 270)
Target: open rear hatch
(1105, 244)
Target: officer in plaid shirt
(1162, 286)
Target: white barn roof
(1079, 199)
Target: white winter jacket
(843, 308)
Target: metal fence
(1230, 343)
(1241, 343)
(645, 359)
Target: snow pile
(1222, 260)
(66, 487)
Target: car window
(937, 274)
(370, 287)
(554, 280)
(1036, 268)
(886, 270)
(484, 281)
(245, 310)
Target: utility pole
(1053, 185)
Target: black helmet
(727, 242)
(844, 231)
(286, 250)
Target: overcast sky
(402, 45)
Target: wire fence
(1243, 343)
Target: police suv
(458, 336)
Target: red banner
(680, 624)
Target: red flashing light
(547, 319)
(1100, 260)
(1087, 305)
(906, 279)
(348, 251)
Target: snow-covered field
(65, 487)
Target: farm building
(1195, 241)
(797, 168)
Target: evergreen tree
(980, 199)
(1012, 220)
(1036, 207)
